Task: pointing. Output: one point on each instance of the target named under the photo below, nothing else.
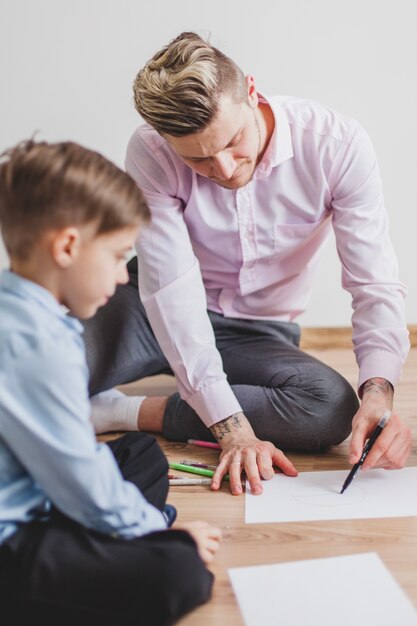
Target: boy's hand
(206, 537)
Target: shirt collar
(280, 146)
(10, 281)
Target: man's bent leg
(289, 397)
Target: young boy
(82, 536)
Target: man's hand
(242, 450)
(393, 445)
(206, 537)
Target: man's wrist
(379, 387)
(233, 427)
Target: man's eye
(235, 141)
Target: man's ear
(252, 93)
(65, 245)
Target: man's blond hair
(178, 90)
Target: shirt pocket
(290, 238)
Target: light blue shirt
(48, 451)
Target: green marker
(194, 470)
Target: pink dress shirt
(251, 252)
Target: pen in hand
(367, 447)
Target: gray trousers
(289, 397)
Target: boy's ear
(65, 246)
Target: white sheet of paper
(355, 590)
(316, 496)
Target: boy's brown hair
(44, 186)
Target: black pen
(378, 430)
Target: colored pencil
(198, 464)
(177, 481)
(194, 470)
(204, 444)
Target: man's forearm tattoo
(379, 386)
(220, 429)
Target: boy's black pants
(60, 573)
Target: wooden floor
(395, 540)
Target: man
(243, 191)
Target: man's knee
(330, 404)
(311, 411)
(335, 420)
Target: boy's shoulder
(31, 321)
(43, 371)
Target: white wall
(66, 70)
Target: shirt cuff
(380, 364)
(214, 403)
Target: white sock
(113, 410)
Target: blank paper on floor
(316, 496)
(353, 590)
